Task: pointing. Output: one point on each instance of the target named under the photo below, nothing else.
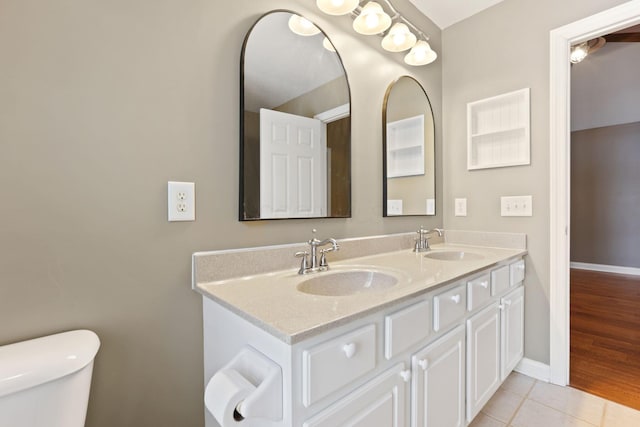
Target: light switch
(461, 207)
(516, 206)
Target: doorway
(625, 15)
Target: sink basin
(454, 256)
(344, 283)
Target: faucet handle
(304, 263)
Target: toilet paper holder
(266, 376)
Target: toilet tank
(44, 382)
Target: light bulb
(578, 53)
(337, 7)
(399, 38)
(420, 54)
(372, 20)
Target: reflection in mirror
(409, 150)
(295, 121)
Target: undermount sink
(344, 283)
(454, 256)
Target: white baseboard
(606, 268)
(534, 369)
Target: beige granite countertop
(272, 302)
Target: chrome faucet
(310, 262)
(422, 242)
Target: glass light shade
(328, 45)
(302, 26)
(420, 54)
(337, 7)
(399, 38)
(579, 52)
(372, 20)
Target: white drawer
(405, 328)
(478, 291)
(337, 362)
(449, 307)
(499, 280)
(517, 272)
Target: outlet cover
(516, 206)
(461, 207)
(181, 198)
(394, 207)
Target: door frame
(561, 39)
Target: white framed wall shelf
(405, 147)
(498, 131)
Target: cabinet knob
(455, 298)
(484, 284)
(507, 302)
(423, 363)
(406, 375)
(349, 350)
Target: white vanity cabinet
(511, 331)
(495, 337)
(382, 402)
(438, 383)
(431, 360)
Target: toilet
(44, 382)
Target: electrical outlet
(461, 207)
(181, 201)
(394, 207)
(516, 206)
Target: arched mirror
(295, 121)
(408, 150)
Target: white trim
(606, 268)
(534, 369)
(337, 113)
(613, 19)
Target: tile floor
(525, 402)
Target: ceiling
(445, 13)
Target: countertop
(272, 302)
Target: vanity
(406, 339)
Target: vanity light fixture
(420, 54)
(337, 7)
(373, 19)
(399, 38)
(302, 26)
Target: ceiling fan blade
(623, 37)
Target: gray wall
(502, 49)
(604, 87)
(605, 195)
(102, 103)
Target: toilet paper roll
(224, 392)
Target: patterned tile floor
(525, 402)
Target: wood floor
(605, 335)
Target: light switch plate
(516, 206)
(461, 207)
(181, 198)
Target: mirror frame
(241, 192)
(384, 148)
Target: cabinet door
(483, 358)
(512, 330)
(438, 382)
(382, 402)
